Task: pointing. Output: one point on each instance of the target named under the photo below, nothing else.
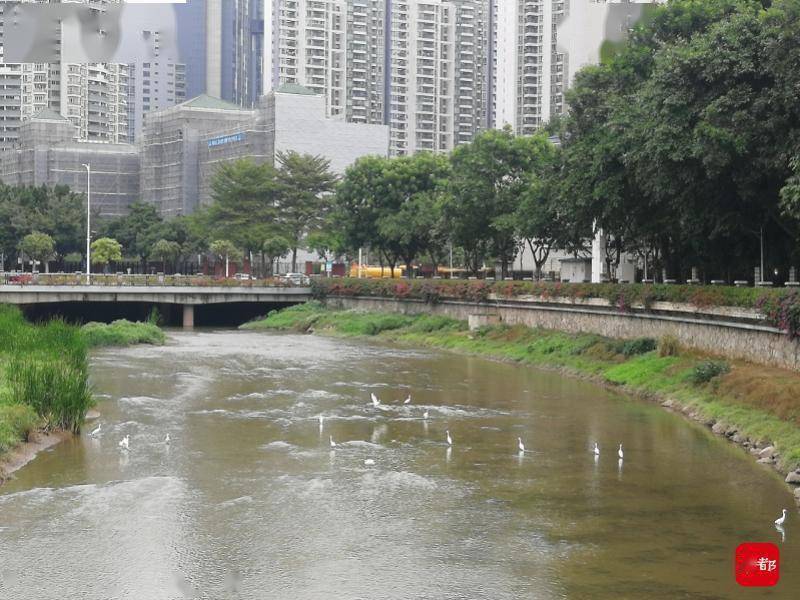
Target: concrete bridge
(187, 297)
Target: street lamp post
(88, 223)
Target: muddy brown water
(248, 501)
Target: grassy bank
(44, 371)
(760, 403)
(43, 377)
(123, 333)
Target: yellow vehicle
(372, 272)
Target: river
(248, 500)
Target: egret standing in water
(520, 445)
(124, 443)
(167, 440)
(407, 400)
(596, 449)
(449, 439)
(780, 520)
(375, 402)
(425, 415)
(96, 430)
(619, 452)
(333, 444)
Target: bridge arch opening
(231, 314)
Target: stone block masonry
(734, 333)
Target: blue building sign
(226, 139)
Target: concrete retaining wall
(735, 333)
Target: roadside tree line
(683, 148)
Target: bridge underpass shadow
(208, 315)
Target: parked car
(296, 278)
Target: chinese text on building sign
(227, 139)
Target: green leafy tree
(165, 251)
(245, 208)
(274, 247)
(488, 177)
(38, 246)
(305, 185)
(106, 250)
(225, 249)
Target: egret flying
(369, 462)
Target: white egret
(321, 420)
(619, 452)
(333, 444)
(520, 445)
(124, 443)
(369, 462)
(425, 415)
(167, 439)
(596, 449)
(407, 400)
(780, 520)
(375, 402)
(449, 439)
(96, 430)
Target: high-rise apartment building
(418, 66)
(526, 67)
(93, 96)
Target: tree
(165, 250)
(138, 231)
(106, 250)
(357, 204)
(305, 184)
(541, 218)
(224, 249)
(274, 247)
(489, 175)
(245, 206)
(38, 246)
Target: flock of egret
(124, 444)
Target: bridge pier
(188, 316)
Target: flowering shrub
(780, 306)
(782, 312)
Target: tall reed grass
(45, 368)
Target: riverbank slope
(752, 405)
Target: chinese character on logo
(765, 564)
(757, 565)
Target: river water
(248, 501)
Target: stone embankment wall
(731, 332)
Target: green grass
(122, 333)
(763, 408)
(43, 377)
(44, 381)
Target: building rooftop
(293, 88)
(206, 101)
(48, 115)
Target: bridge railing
(158, 279)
